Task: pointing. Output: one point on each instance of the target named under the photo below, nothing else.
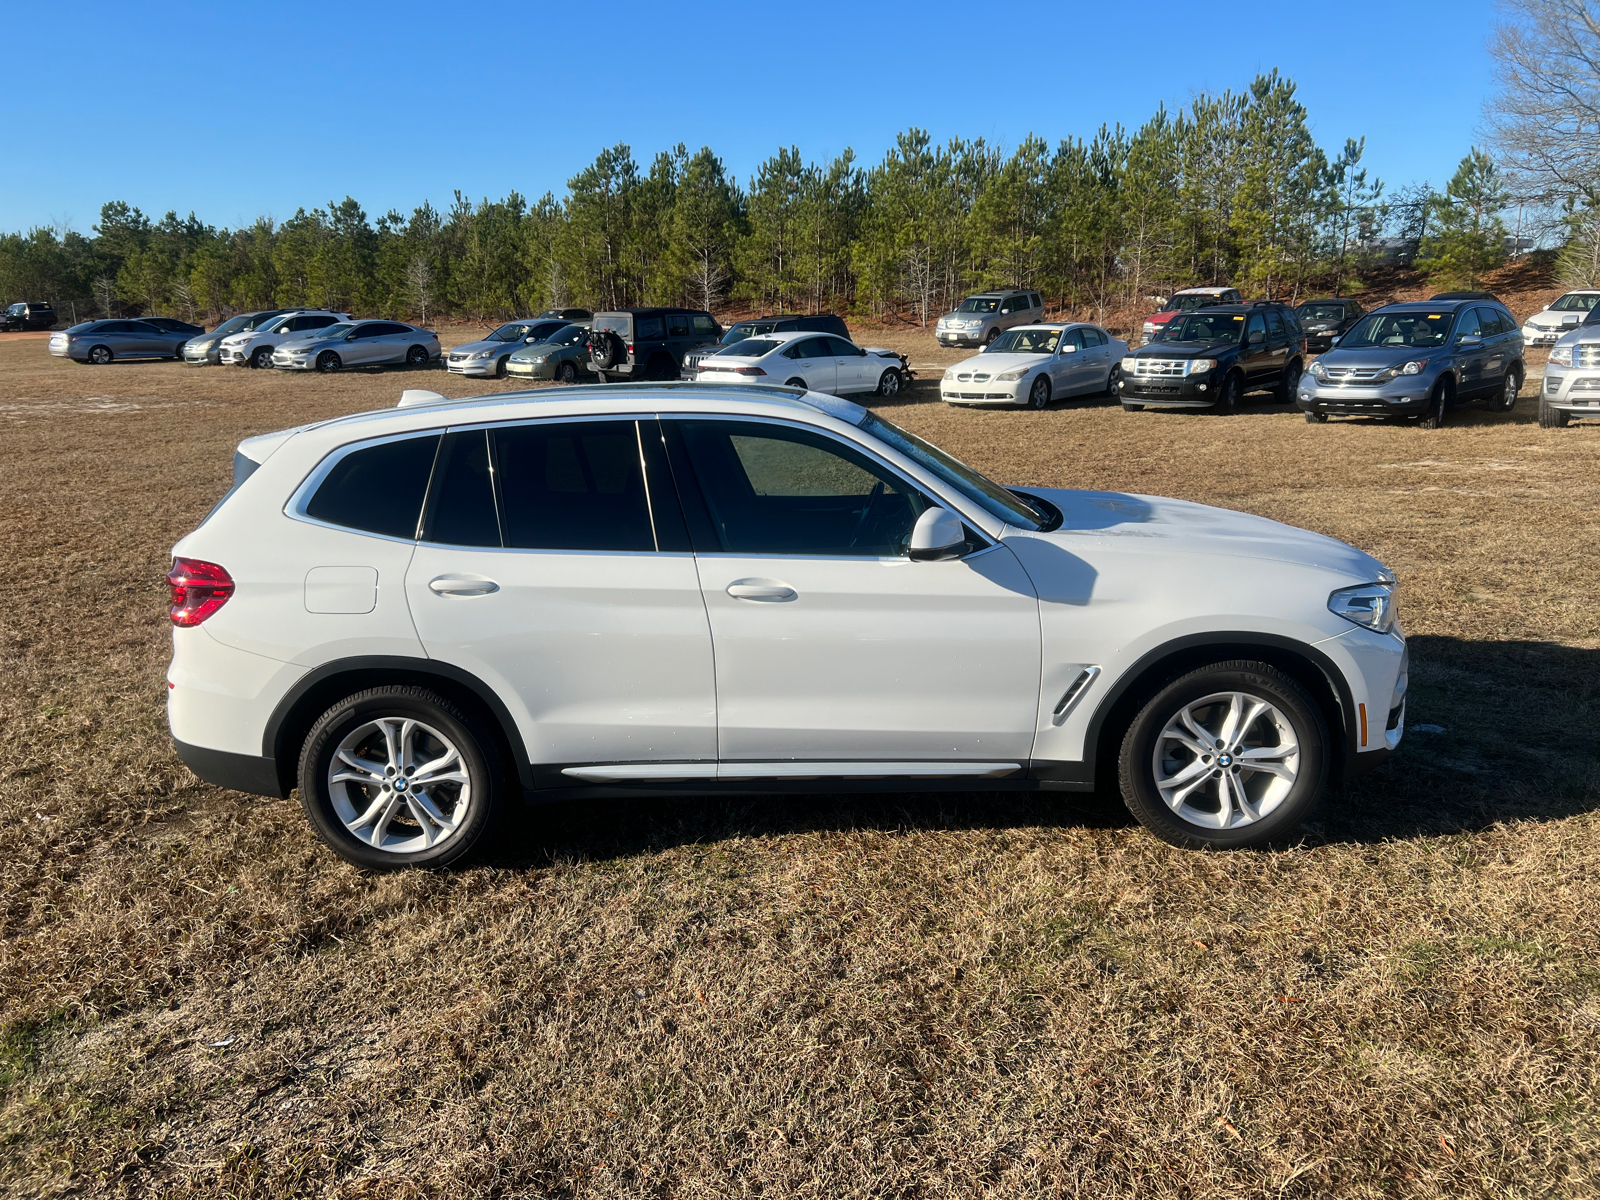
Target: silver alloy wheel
(1226, 760)
(416, 798)
(1113, 379)
(1513, 387)
(1039, 396)
(889, 384)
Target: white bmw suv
(423, 615)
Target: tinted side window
(317, 322)
(1275, 323)
(704, 325)
(843, 349)
(1255, 325)
(145, 328)
(770, 489)
(1493, 322)
(1034, 300)
(1468, 324)
(1074, 337)
(461, 508)
(678, 325)
(378, 489)
(1093, 337)
(647, 329)
(572, 486)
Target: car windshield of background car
(17, 310)
(1321, 312)
(1399, 329)
(513, 332)
(985, 493)
(749, 348)
(1205, 327)
(1027, 341)
(231, 325)
(1576, 302)
(979, 304)
(258, 322)
(739, 332)
(1190, 303)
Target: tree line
(1232, 189)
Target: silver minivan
(981, 318)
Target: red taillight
(750, 370)
(630, 347)
(198, 590)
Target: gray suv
(981, 318)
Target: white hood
(995, 364)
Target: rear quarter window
(377, 489)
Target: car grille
(1587, 384)
(1586, 354)
(458, 358)
(1146, 368)
(973, 377)
(692, 360)
(1352, 376)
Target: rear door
(812, 360)
(1279, 341)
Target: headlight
(204, 345)
(1319, 372)
(1370, 606)
(1399, 369)
(975, 324)
(1197, 365)
(537, 358)
(481, 354)
(1011, 376)
(949, 374)
(1128, 364)
(1561, 356)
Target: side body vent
(1075, 692)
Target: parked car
(1186, 301)
(1031, 365)
(1419, 360)
(204, 350)
(567, 314)
(1565, 314)
(747, 589)
(1571, 384)
(648, 343)
(490, 355)
(255, 347)
(358, 344)
(784, 323)
(979, 319)
(27, 314)
(1324, 321)
(102, 342)
(816, 362)
(562, 356)
(1213, 357)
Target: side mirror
(528, 341)
(1571, 319)
(1069, 349)
(938, 535)
(350, 337)
(1469, 339)
(1256, 337)
(1332, 342)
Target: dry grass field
(902, 996)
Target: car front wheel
(262, 358)
(1438, 404)
(1228, 756)
(1039, 393)
(889, 383)
(399, 776)
(567, 373)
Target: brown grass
(818, 997)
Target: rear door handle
(761, 591)
(455, 585)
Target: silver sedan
(1033, 364)
(358, 344)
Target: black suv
(1325, 320)
(28, 314)
(648, 343)
(1211, 357)
(783, 323)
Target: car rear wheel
(889, 383)
(1039, 393)
(1228, 756)
(100, 355)
(262, 358)
(796, 382)
(567, 372)
(418, 356)
(399, 776)
(1507, 400)
(328, 361)
(1551, 417)
(1438, 404)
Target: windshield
(980, 304)
(1190, 303)
(748, 329)
(17, 309)
(987, 494)
(339, 330)
(1027, 341)
(749, 348)
(1399, 329)
(231, 325)
(1321, 312)
(260, 319)
(1576, 302)
(1204, 327)
(516, 331)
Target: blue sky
(262, 108)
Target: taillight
(198, 590)
(750, 370)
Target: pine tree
(1466, 236)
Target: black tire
(1551, 417)
(328, 362)
(1289, 383)
(1256, 681)
(262, 358)
(989, 337)
(567, 372)
(500, 367)
(662, 369)
(1114, 380)
(418, 356)
(1228, 398)
(1438, 404)
(1039, 393)
(479, 751)
(1316, 418)
(889, 383)
(1510, 390)
(100, 355)
(796, 382)
(603, 347)
(1129, 407)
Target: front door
(1473, 360)
(810, 360)
(1071, 364)
(831, 646)
(853, 365)
(1257, 356)
(553, 579)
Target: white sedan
(818, 362)
(1033, 364)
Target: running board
(677, 772)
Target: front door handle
(456, 585)
(770, 592)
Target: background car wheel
(328, 361)
(1316, 418)
(100, 355)
(1289, 383)
(1508, 395)
(1039, 393)
(1438, 404)
(262, 358)
(988, 338)
(1113, 379)
(1550, 417)
(417, 356)
(889, 383)
(499, 367)
(567, 372)
(399, 776)
(1127, 407)
(1228, 397)
(1228, 756)
(796, 382)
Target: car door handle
(771, 592)
(456, 585)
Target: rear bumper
(242, 772)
